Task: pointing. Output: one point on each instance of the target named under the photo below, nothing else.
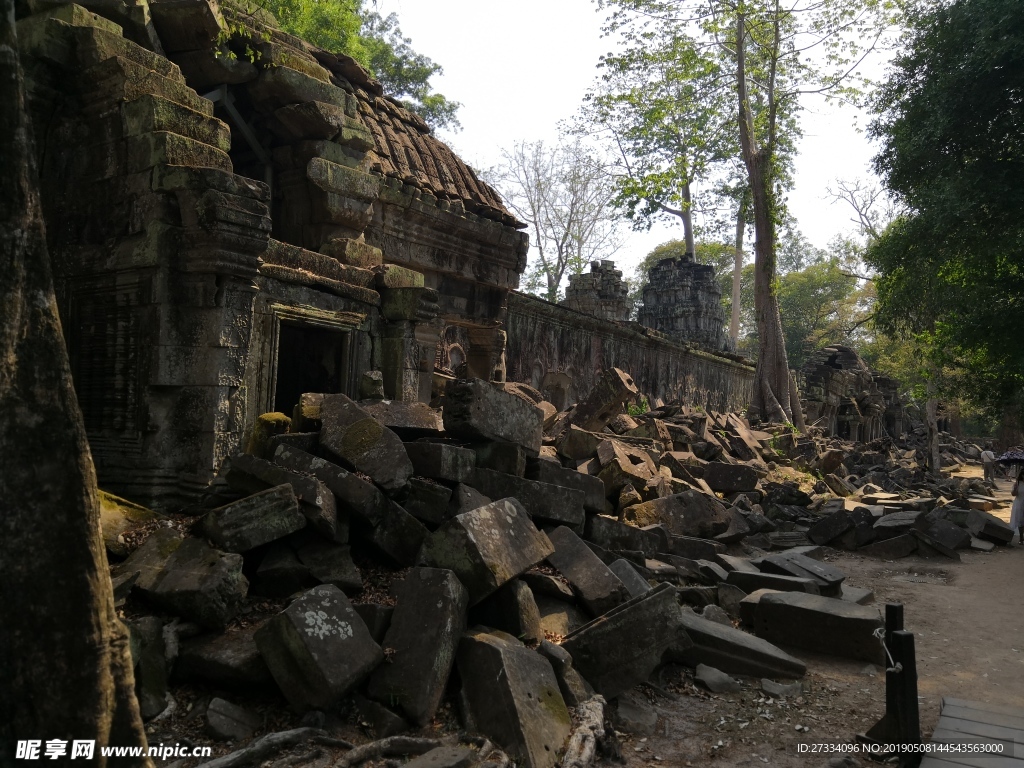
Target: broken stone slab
(318, 648)
(544, 502)
(250, 475)
(513, 697)
(229, 722)
(734, 651)
(748, 605)
(331, 563)
(477, 410)
(820, 624)
(830, 527)
(729, 598)
(512, 609)
(507, 458)
(201, 584)
(149, 661)
(695, 548)
(378, 519)
(897, 523)
(407, 419)
(229, 660)
(683, 514)
(733, 563)
(980, 545)
(891, 549)
(738, 528)
(623, 647)
(715, 680)
(984, 526)
(427, 501)
(828, 578)
(631, 579)
(929, 546)
(117, 516)
(609, 533)
(428, 622)
(715, 613)
(751, 582)
(635, 715)
(487, 547)
(255, 520)
(465, 498)
(150, 558)
(382, 721)
(729, 478)
(605, 400)
(598, 588)
(554, 474)
(354, 436)
(441, 461)
(949, 534)
(575, 690)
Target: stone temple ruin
(844, 398)
(236, 217)
(682, 299)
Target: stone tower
(682, 299)
(601, 293)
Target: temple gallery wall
(229, 231)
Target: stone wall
(562, 352)
(683, 300)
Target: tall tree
(950, 119)
(376, 42)
(566, 196)
(64, 658)
(776, 53)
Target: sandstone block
(684, 514)
(229, 660)
(254, 520)
(362, 442)
(425, 630)
(477, 410)
(729, 478)
(623, 647)
(513, 697)
(548, 503)
(487, 547)
(441, 461)
(820, 624)
(201, 584)
(599, 589)
(318, 648)
(734, 651)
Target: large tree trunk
(770, 398)
(691, 247)
(64, 658)
(931, 417)
(737, 273)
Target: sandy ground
(969, 638)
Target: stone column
(410, 341)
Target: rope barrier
(895, 666)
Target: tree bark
(64, 659)
(691, 247)
(931, 413)
(770, 399)
(737, 273)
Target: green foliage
(817, 304)
(637, 408)
(951, 271)
(343, 26)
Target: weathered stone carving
(682, 300)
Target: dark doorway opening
(310, 359)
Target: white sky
(519, 68)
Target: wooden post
(908, 724)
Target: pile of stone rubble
(539, 562)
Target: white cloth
(988, 456)
(1017, 510)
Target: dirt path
(969, 636)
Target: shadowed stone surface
(513, 697)
(201, 584)
(477, 410)
(358, 439)
(230, 660)
(820, 624)
(684, 514)
(318, 648)
(428, 622)
(634, 583)
(254, 520)
(487, 547)
(624, 646)
(598, 588)
(511, 609)
(441, 461)
(734, 651)
(550, 503)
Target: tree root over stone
(271, 743)
(393, 745)
(582, 749)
